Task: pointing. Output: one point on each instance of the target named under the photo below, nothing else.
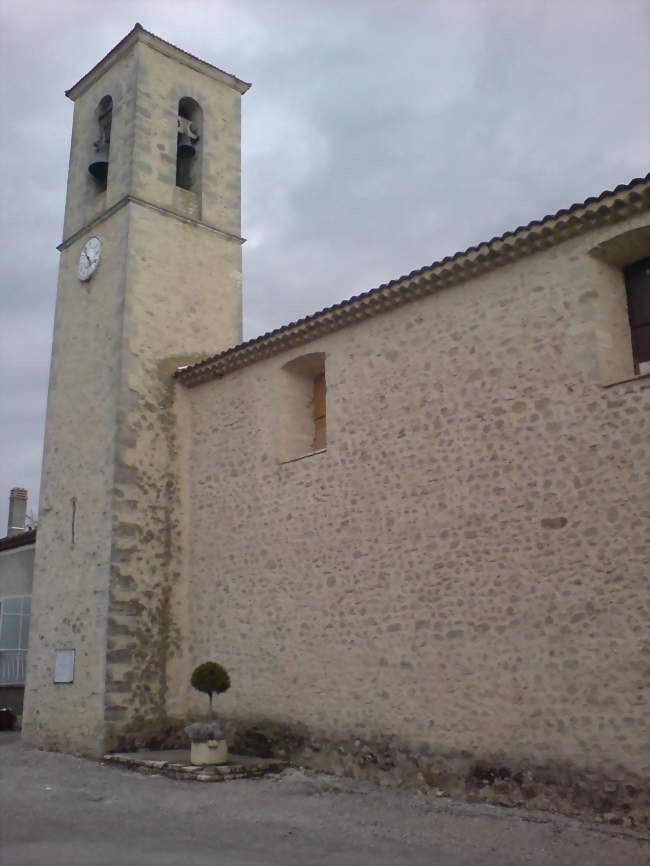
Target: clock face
(91, 253)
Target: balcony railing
(12, 667)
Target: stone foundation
(623, 799)
(153, 734)
(620, 799)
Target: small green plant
(211, 678)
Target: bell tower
(149, 279)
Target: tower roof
(139, 34)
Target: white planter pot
(210, 752)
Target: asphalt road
(60, 810)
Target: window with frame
(637, 285)
(621, 313)
(303, 407)
(15, 612)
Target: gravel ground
(60, 810)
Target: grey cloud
(379, 135)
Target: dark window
(637, 283)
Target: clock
(91, 253)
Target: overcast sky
(378, 136)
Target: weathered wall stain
(495, 778)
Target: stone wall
(463, 572)
(73, 548)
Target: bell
(186, 149)
(99, 166)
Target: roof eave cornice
(21, 540)
(607, 209)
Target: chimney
(17, 511)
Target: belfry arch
(188, 151)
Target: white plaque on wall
(64, 666)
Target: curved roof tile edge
(475, 259)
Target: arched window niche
(188, 152)
(98, 166)
(303, 411)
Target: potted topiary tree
(208, 745)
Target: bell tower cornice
(131, 199)
(139, 34)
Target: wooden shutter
(637, 283)
(320, 421)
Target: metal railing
(12, 667)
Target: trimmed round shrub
(211, 678)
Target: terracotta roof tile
(20, 540)
(614, 205)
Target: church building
(413, 526)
